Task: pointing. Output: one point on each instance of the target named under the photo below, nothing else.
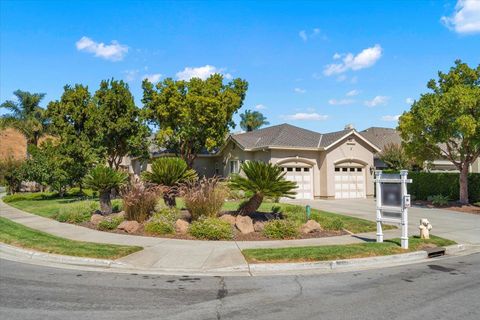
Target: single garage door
(303, 176)
(349, 182)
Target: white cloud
(365, 59)
(337, 56)
(130, 75)
(409, 100)
(353, 93)
(336, 102)
(301, 116)
(260, 107)
(391, 118)
(305, 36)
(154, 77)
(377, 101)
(113, 52)
(299, 90)
(466, 17)
(201, 72)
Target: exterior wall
(356, 153)
(205, 166)
(476, 166)
(233, 152)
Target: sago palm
(103, 179)
(170, 173)
(263, 180)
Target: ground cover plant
(211, 229)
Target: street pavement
(442, 288)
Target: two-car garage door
(303, 176)
(349, 182)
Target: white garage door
(303, 176)
(349, 183)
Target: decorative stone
(120, 214)
(258, 226)
(229, 218)
(425, 228)
(129, 226)
(244, 224)
(181, 226)
(310, 226)
(96, 218)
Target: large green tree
(193, 115)
(252, 120)
(445, 123)
(119, 124)
(26, 116)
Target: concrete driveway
(457, 226)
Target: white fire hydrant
(425, 228)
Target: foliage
(439, 200)
(26, 116)
(252, 120)
(395, 157)
(162, 222)
(119, 124)
(12, 174)
(193, 115)
(204, 197)
(211, 229)
(139, 202)
(445, 123)
(76, 212)
(110, 223)
(169, 173)
(263, 180)
(334, 224)
(281, 229)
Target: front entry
(303, 176)
(349, 182)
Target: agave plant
(104, 179)
(169, 173)
(263, 180)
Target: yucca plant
(105, 179)
(263, 180)
(169, 173)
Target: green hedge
(427, 184)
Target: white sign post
(392, 198)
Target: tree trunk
(170, 200)
(252, 205)
(105, 203)
(464, 184)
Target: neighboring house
(334, 165)
(383, 136)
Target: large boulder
(96, 218)
(229, 218)
(258, 226)
(129, 226)
(310, 226)
(244, 224)
(181, 226)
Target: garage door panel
(302, 176)
(349, 183)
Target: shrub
(162, 222)
(334, 224)
(139, 202)
(438, 200)
(281, 229)
(76, 212)
(211, 229)
(110, 223)
(117, 205)
(204, 197)
(294, 213)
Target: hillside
(12, 143)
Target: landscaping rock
(120, 214)
(129, 226)
(244, 224)
(181, 226)
(96, 218)
(310, 226)
(258, 226)
(229, 218)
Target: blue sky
(314, 64)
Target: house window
(298, 169)
(234, 166)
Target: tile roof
(381, 136)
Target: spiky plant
(104, 179)
(263, 180)
(169, 173)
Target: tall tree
(445, 123)
(252, 120)
(119, 124)
(26, 116)
(193, 115)
(395, 157)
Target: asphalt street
(447, 288)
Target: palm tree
(26, 116)
(103, 179)
(170, 173)
(263, 180)
(252, 120)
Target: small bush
(281, 229)
(117, 205)
(28, 196)
(204, 197)
(211, 229)
(110, 223)
(162, 222)
(438, 200)
(294, 213)
(76, 212)
(334, 224)
(139, 202)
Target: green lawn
(18, 235)
(334, 252)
